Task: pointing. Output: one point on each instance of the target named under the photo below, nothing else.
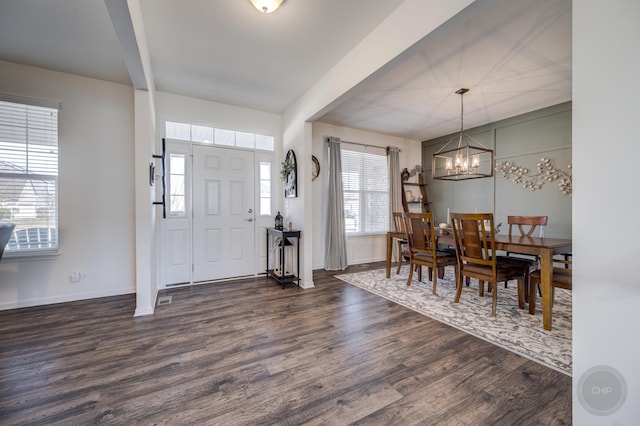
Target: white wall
(360, 249)
(96, 197)
(297, 209)
(408, 24)
(184, 109)
(606, 136)
(146, 213)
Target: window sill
(365, 234)
(28, 256)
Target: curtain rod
(371, 146)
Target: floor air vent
(164, 300)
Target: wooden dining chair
(526, 225)
(403, 249)
(420, 232)
(562, 278)
(474, 244)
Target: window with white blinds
(365, 182)
(29, 173)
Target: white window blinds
(29, 173)
(365, 181)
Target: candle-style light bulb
(458, 160)
(449, 164)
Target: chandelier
(464, 161)
(266, 6)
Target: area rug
(512, 328)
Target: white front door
(223, 213)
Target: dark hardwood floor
(250, 353)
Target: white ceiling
(239, 56)
(514, 55)
(74, 36)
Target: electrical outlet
(74, 276)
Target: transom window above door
(205, 134)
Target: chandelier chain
(461, 112)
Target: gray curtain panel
(395, 188)
(395, 198)
(335, 252)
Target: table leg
(389, 250)
(545, 283)
(298, 258)
(282, 246)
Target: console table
(285, 236)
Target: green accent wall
(523, 140)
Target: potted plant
(287, 167)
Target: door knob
(250, 210)
(249, 220)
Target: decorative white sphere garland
(546, 173)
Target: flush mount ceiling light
(464, 161)
(266, 6)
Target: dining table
(543, 247)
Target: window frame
(353, 150)
(262, 179)
(221, 137)
(171, 175)
(50, 176)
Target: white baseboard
(147, 310)
(26, 303)
(144, 311)
(360, 261)
(355, 262)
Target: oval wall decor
(315, 168)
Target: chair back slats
(471, 237)
(527, 224)
(420, 234)
(398, 222)
(473, 243)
